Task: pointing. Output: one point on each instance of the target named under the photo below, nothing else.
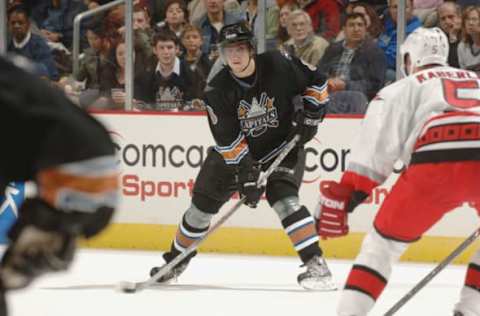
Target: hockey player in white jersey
(430, 120)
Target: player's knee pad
(206, 204)
(197, 218)
(286, 206)
(379, 253)
(277, 190)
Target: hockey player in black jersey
(252, 116)
(71, 159)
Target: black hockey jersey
(41, 127)
(257, 118)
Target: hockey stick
(467, 242)
(131, 287)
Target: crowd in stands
(353, 42)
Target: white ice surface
(226, 285)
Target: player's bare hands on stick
(248, 174)
(332, 211)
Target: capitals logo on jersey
(256, 117)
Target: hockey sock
(185, 236)
(369, 274)
(300, 227)
(470, 295)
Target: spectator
(450, 22)
(32, 46)
(326, 17)
(469, 47)
(93, 58)
(374, 24)
(112, 81)
(388, 39)
(211, 23)
(197, 9)
(92, 61)
(285, 10)
(55, 18)
(143, 34)
(197, 61)
(271, 25)
(303, 42)
(425, 10)
(176, 17)
(355, 68)
(171, 86)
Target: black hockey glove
(44, 240)
(247, 175)
(306, 125)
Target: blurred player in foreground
(71, 159)
(430, 120)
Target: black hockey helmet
(237, 32)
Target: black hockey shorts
(215, 183)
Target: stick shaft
(455, 253)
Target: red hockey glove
(331, 215)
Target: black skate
(317, 277)
(171, 275)
(175, 272)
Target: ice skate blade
(318, 285)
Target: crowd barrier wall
(160, 155)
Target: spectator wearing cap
(355, 68)
(32, 46)
(450, 22)
(388, 39)
(303, 43)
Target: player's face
(408, 64)
(19, 26)
(237, 56)
(166, 52)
